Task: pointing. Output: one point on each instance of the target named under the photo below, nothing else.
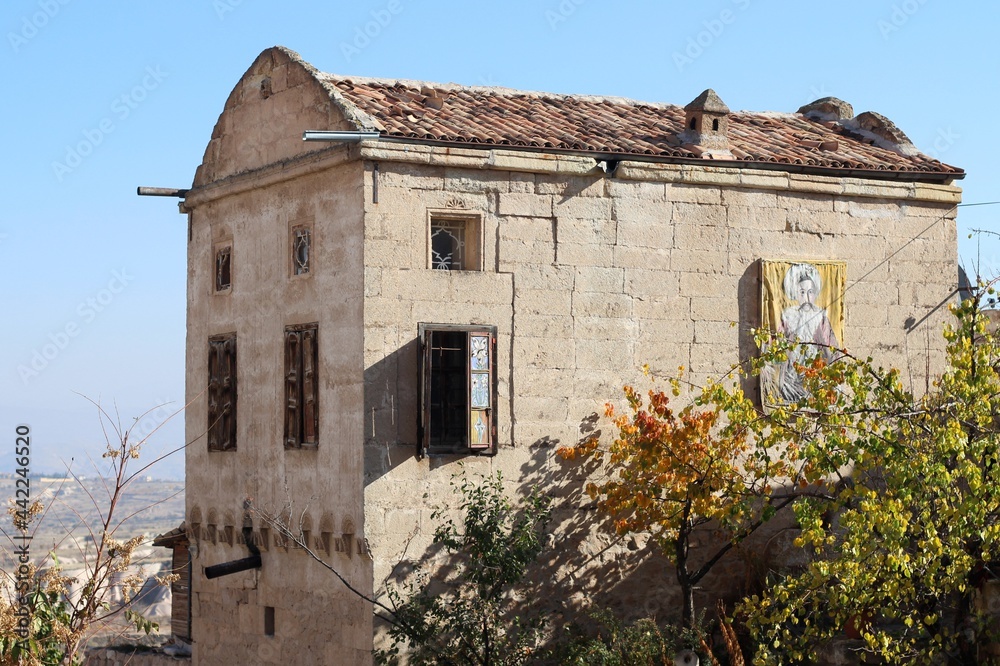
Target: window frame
(221, 433)
(426, 373)
(301, 394)
(218, 249)
(473, 242)
(294, 228)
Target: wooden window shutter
(301, 386)
(482, 396)
(424, 381)
(293, 373)
(214, 395)
(222, 394)
(229, 394)
(310, 387)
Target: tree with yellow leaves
(908, 557)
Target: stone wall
(588, 277)
(274, 102)
(126, 657)
(317, 491)
(585, 276)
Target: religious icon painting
(802, 301)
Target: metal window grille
(448, 245)
(301, 246)
(223, 268)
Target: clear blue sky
(104, 96)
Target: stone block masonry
(651, 270)
(586, 269)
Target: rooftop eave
(870, 174)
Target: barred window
(223, 268)
(458, 389)
(454, 243)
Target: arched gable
(277, 99)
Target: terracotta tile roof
(614, 127)
(176, 535)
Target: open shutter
(310, 388)
(293, 371)
(229, 394)
(480, 368)
(424, 381)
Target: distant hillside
(52, 461)
(152, 508)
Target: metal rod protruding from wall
(348, 137)
(160, 192)
(236, 566)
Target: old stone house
(461, 274)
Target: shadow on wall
(390, 418)
(748, 290)
(391, 415)
(587, 567)
(590, 567)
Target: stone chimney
(875, 127)
(884, 132)
(706, 122)
(827, 109)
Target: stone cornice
(573, 165)
(271, 174)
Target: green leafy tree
(897, 496)
(47, 630)
(472, 617)
(644, 642)
(617, 643)
(905, 555)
